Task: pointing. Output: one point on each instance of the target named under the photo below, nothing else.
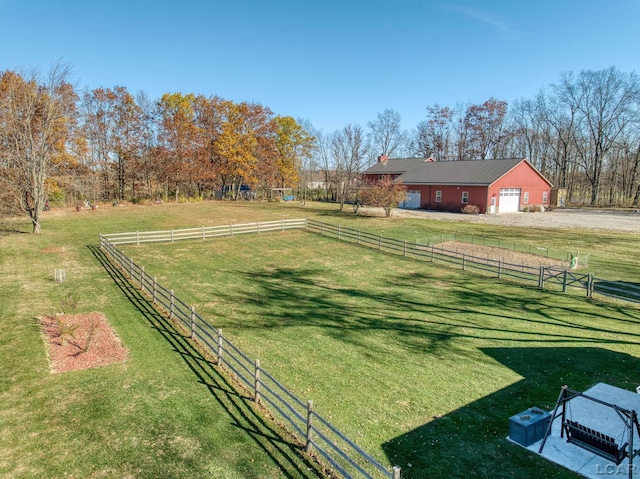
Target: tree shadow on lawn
(453, 310)
(288, 456)
(470, 441)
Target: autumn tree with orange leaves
(37, 120)
(384, 193)
(115, 127)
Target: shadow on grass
(425, 315)
(285, 454)
(470, 441)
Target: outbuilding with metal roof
(495, 186)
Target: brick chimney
(382, 158)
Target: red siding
(523, 176)
(451, 199)
(528, 180)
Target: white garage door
(509, 200)
(412, 201)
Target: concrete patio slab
(602, 419)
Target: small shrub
(471, 210)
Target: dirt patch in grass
(491, 253)
(81, 341)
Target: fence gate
(566, 278)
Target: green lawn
(420, 364)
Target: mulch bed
(81, 341)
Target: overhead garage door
(412, 200)
(509, 200)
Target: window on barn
(544, 197)
(526, 197)
(465, 197)
(438, 196)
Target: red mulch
(81, 341)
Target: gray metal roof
(416, 171)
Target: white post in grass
(396, 472)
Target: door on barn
(509, 200)
(412, 201)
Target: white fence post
(203, 233)
(308, 444)
(172, 235)
(138, 238)
(155, 288)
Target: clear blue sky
(330, 62)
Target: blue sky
(331, 62)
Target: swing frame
(591, 440)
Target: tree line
(59, 145)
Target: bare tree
(37, 116)
(484, 125)
(433, 135)
(607, 101)
(386, 134)
(348, 149)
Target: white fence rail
(203, 232)
(316, 433)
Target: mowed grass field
(420, 364)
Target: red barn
(494, 186)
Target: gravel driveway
(595, 219)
